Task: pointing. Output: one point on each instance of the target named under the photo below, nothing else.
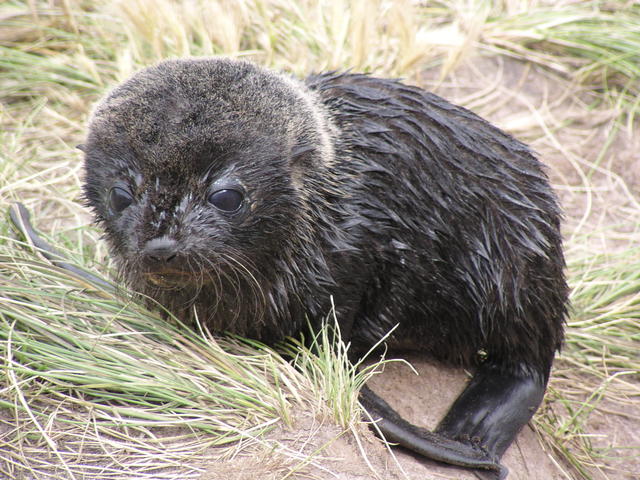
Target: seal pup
(248, 199)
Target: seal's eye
(119, 199)
(226, 200)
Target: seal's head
(199, 171)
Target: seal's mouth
(169, 278)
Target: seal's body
(249, 199)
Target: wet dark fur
(403, 207)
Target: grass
(83, 363)
(600, 361)
(85, 372)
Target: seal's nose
(161, 252)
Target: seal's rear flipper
(431, 445)
(493, 408)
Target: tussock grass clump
(605, 294)
(90, 374)
(599, 370)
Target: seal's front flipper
(428, 444)
(493, 408)
(21, 219)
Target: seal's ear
(81, 147)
